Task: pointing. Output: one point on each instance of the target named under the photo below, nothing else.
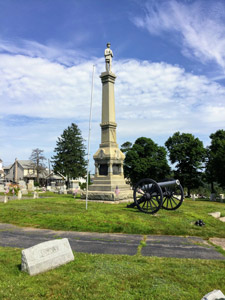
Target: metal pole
(89, 135)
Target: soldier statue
(108, 58)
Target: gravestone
(30, 185)
(24, 192)
(46, 256)
(74, 184)
(19, 196)
(5, 199)
(193, 197)
(214, 295)
(36, 195)
(2, 188)
(213, 197)
(22, 184)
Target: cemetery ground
(105, 276)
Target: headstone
(222, 219)
(221, 197)
(213, 197)
(74, 184)
(19, 196)
(214, 295)
(30, 185)
(24, 191)
(193, 197)
(49, 188)
(5, 199)
(215, 214)
(46, 256)
(36, 196)
(22, 184)
(2, 188)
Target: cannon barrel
(162, 184)
(167, 183)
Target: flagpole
(89, 135)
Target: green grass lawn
(112, 277)
(63, 212)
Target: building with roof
(1, 170)
(22, 170)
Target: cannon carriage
(149, 196)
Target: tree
(126, 147)
(189, 154)
(145, 159)
(69, 159)
(37, 159)
(215, 166)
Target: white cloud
(39, 98)
(201, 25)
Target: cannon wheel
(173, 197)
(148, 196)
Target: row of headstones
(212, 197)
(74, 185)
(22, 185)
(19, 196)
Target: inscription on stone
(46, 256)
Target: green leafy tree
(69, 158)
(37, 158)
(145, 159)
(215, 166)
(126, 147)
(188, 153)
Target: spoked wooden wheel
(173, 197)
(148, 196)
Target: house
(1, 170)
(22, 170)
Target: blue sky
(169, 59)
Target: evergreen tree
(69, 159)
(145, 159)
(189, 154)
(37, 159)
(215, 166)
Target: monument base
(109, 188)
(107, 196)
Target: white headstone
(5, 199)
(2, 188)
(22, 184)
(214, 295)
(19, 196)
(36, 195)
(46, 256)
(30, 185)
(193, 197)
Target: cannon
(149, 195)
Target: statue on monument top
(108, 58)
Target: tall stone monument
(109, 183)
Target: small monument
(109, 183)
(46, 256)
